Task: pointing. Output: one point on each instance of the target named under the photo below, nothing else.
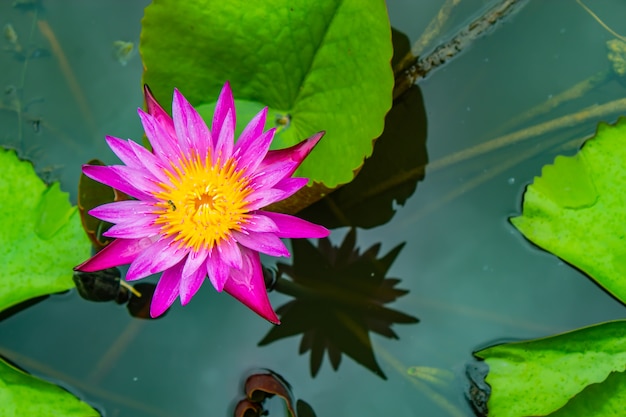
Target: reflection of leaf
(388, 178)
(139, 306)
(538, 377)
(340, 297)
(577, 209)
(53, 212)
(38, 255)
(92, 194)
(304, 409)
(319, 65)
(24, 395)
(106, 285)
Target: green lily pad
(605, 399)
(577, 208)
(22, 394)
(245, 110)
(53, 211)
(91, 194)
(318, 65)
(539, 377)
(41, 234)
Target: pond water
(472, 279)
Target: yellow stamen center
(204, 202)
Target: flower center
(204, 202)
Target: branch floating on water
(416, 68)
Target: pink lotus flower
(199, 196)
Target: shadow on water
(339, 299)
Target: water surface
(472, 278)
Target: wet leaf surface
(539, 377)
(577, 208)
(22, 394)
(92, 194)
(41, 235)
(302, 59)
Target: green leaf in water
(605, 399)
(91, 194)
(539, 377)
(53, 211)
(40, 235)
(245, 109)
(318, 65)
(22, 394)
(577, 208)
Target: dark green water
(472, 278)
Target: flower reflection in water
(339, 299)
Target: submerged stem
(597, 19)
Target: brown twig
(416, 68)
(434, 28)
